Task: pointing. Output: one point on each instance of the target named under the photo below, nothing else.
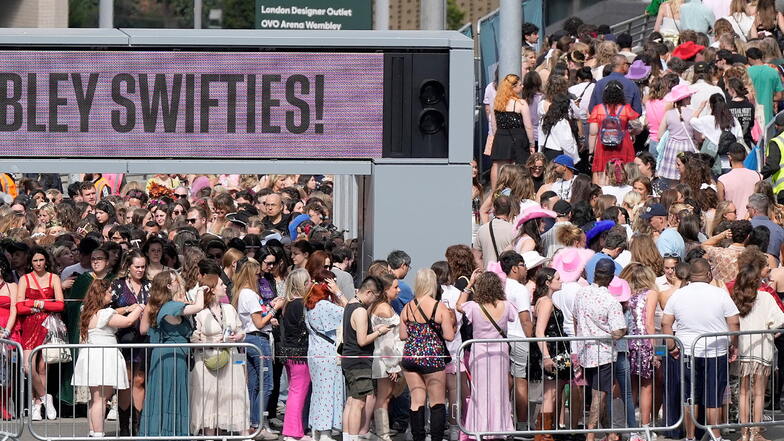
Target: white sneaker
(454, 432)
(51, 412)
(35, 412)
(265, 435)
(270, 429)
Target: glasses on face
(178, 213)
(181, 196)
(536, 167)
(191, 221)
(268, 263)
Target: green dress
(71, 317)
(166, 406)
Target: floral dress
(326, 400)
(640, 349)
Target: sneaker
(276, 423)
(35, 412)
(51, 412)
(270, 429)
(454, 432)
(265, 436)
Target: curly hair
(556, 85)
(751, 263)
(461, 262)
(697, 172)
(613, 93)
(93, 302)
(558, 110)
(488, 289)
(506, 92)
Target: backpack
(611, 132)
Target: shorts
(600, 378)
(710, 380)
(359, 382)
(519, 359)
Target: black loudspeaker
(416, 106)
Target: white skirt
(100, 367)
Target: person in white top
(565, 172)
(555, 127)
(582, 91)
(513, 265)
(703, 87)
(710, 126)
(741, 17)
(701, 308)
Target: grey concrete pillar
(510, 44)
(381, 15)
(432, 15)
(106, 14)
(197, 8)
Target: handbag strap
(222, 320)
(492, 321)
(317, 332)
(431, 323)
(492, 235)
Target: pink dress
(489, 407)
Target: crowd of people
(627, 197)
(640, 188)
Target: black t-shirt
(744, 112)
(282, 226)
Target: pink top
(654, 112)
(738, 186)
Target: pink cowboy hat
(679, 92)
(570, 262)
(534, 212)
(620, 290)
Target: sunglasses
(181, 196)
(191, 221)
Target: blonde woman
(256, 319)
(741, 18)
(642, 304)
(514, 136)
(294, 347)
(668, 20)
(605, 51)
(425, 325)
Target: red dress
(33, 332)
(5, 313)
(601, 154)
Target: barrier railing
(638, 27)
(12, 418)
(199, 391)
(484, 364)
(727, 366)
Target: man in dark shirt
(620, 67)
(275, 219)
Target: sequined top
(508, 120)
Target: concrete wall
(34, 14)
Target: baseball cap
(605, 266)
(564, 160)
(701, 67)
(656, 210)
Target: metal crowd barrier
(171, 361)
(720, 379)
(480, 366)
(12, 418)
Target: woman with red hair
(323, 314)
